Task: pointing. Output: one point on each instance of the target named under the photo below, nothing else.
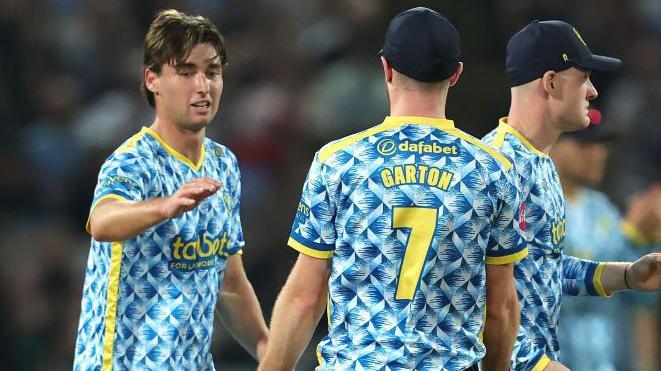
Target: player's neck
(533, 124)
(412, 104)
(186, 142)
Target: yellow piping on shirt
(116, 253)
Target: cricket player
(395, 226)
(165, 225)
(548, 65)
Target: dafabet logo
(389, 146)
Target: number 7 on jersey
(422, 222)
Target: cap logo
(565, 57)
(579, 37)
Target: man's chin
(196, 126)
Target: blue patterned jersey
(148, 302)
(539, 277)
(408, 211)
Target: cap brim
(600, 63)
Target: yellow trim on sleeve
(308, 251)
(117, 250)
(174, 153)
(471, 139)
(596, 281)
(503, 125)
(542, 363)
(631, 232)
(500, 260)
(109, 195)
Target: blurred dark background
(301, 73)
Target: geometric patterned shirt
(148, 302)
(409, 211)
(539, 277)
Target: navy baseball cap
(550, 46)
(422, 44)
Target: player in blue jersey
(395, 226)
(548, 65)
(593, 335)
(166, 232)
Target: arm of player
(240, 311)
(117, 220)
(297, 312)
(502, 317)
(642, 275)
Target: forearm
(500, 331)
(502, 317)
(119, 220)
(242, 315)
(292, 326)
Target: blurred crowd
(301, 73)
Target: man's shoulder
(218, 150)
(136, 149)
(493, 156)
(332, 148)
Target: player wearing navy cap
(548, 65)
(395, 225)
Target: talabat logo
(197, 254)
(558, 233)
(389, 146)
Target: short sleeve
(235, 232)
(313, 232)
(507, 242)
(125, 176)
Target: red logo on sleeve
(522, 217)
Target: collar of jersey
(442, 124)
(504, 126)
(174, 153)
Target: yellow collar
(443, 124)
(174, 153)
(504, 126)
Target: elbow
(308, 306)
(503, 309)
(98, 231)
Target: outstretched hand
(645, 273)
(189, 196)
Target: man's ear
(387, 70)
(151, 81)
(455, 77)
(549, 82)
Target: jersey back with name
(148, 302)
(408, 211)
(539, 275)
